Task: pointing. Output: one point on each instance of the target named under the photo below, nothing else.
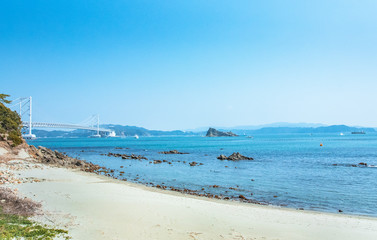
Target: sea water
(290, 170)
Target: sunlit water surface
(290, 170)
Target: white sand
(3, 151)
(96, 207)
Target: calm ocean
(290, 170)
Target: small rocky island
(234, 157)
(215, 133)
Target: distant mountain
(62, 134)
(327, 129)
(133, 130)
(119, 130)
(255, 127)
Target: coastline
(99, 207)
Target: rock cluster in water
(172, 152)
(240, 198)
(48, 156)
(234, 157)
(215, 133)
(361, 164)
(125, 156)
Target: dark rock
(193, 164)
(172, 152)
(234, 157)
(242, 197)
(215, 133)
(125, 156)
(59, 155)
(47, 156)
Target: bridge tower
(97, 135)
(25, 106)
(28, 103)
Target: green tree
(3, 98)
(10, 122)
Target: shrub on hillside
(10, 122)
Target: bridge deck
(63, 125)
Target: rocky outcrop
(172, 152)
(215, 133)
(234, 157)
(192, 164)
(125, 156)
(50, 157)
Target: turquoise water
(290, 170)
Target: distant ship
(29, 136)
(361, 132)
(136, 136)
(95, 136)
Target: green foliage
(10, 122)
(3, 98)
(17, 227)
(15, 138)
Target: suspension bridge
(23, 106)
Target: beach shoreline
(94, 206)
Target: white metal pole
(20, 109)
(98, 124)
(30, 114)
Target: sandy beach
(90, 206)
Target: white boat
(29, 136)
(96, 136)
(341, 134)
(136, 136)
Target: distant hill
(255, 127)
(133, 130)
(61, 133)
(119, 130)
(327, 129)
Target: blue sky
(187, 64)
